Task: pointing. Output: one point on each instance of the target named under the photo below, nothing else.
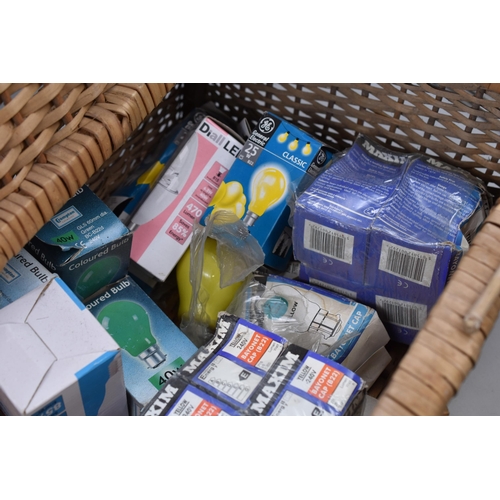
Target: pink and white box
(163, 225)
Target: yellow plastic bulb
(218, 298)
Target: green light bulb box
(84, 243)
(153, 347)
(20, 275)
(278, 161)
(55, 358)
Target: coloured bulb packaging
(277, 161)
(84, 243)
(153, 347)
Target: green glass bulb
(128, 323)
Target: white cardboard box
(56, 359)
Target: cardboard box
(163, 224)
(394, 224)
(84, 243)
(153, 347)
(277, 161)
(55, 358)
(20, 275)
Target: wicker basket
(54, 138)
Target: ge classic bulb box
(84, 243)
(153, 348)
(55, 358)
(387, 221)
(20, 275)
(277, 161)
(164, 222)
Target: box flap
(73, 331)
(24, 361)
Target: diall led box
(20, 275)
(164, 222)
(55, 358)
(84, 243)
(153, 347)
(276, 162)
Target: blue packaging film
(239, 357)
(303, 383)
(293, 380)
(180, 399)
(393, 224)
(278, 161)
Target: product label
(324, 382)
(328, 241)
(253, 347)
(230, 379)
(401, 313)
(192, 404)
(159, 379)
(407, 263)
(292, 404)
(65, 217)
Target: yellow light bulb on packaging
(283, 137)
(293, 145)
(268, 187)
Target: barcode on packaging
(329, 242)
(401, 312)
(411, 265)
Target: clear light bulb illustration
(293, 145)
(306, 150)
(128, 323)
(283, 136)
(267, 189)
(285, 309)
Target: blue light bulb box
(277, 161)
(153, 347)
(84, 243)
(55, 358)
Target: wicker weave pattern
(458, 123)
(53, 138)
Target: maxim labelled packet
(247, 371)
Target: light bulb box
(388, 221)
(20, 275)
(55, 358)
(277, 161)
(164, 222)
(84, 243)
(153, 347)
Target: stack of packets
(316, 319)
(245, 370)
(388, 229)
